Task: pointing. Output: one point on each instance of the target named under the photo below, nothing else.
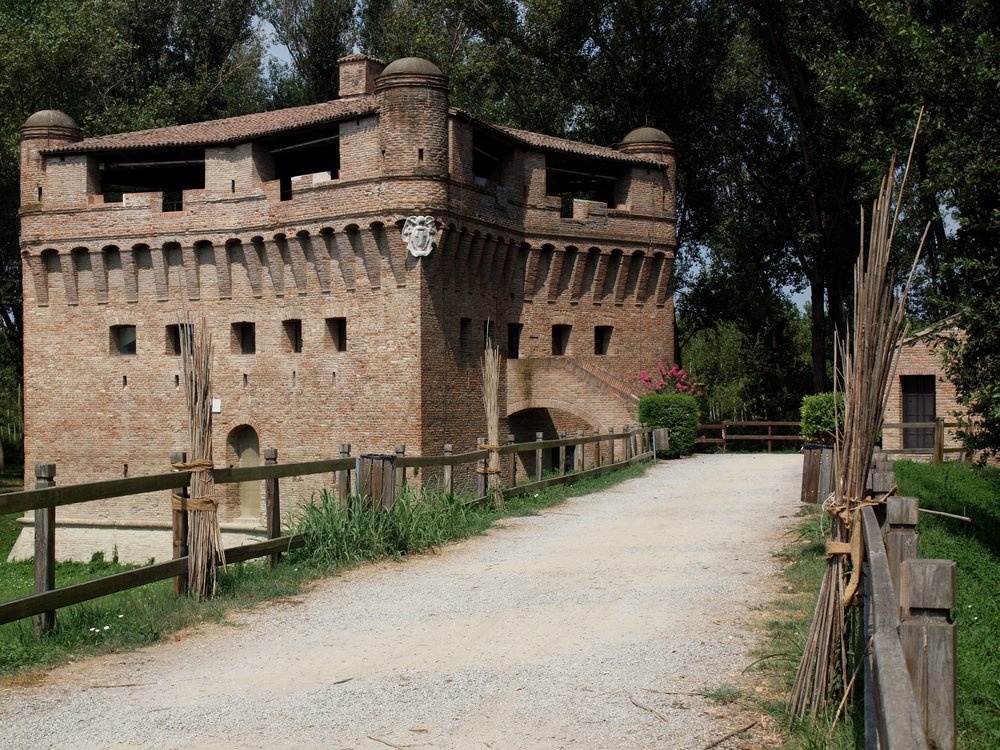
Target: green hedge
(818, 425)
(678, 412)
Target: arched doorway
(243, 449)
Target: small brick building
(351, 259)
(921, 393)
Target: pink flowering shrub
(674, 380)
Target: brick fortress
(351, 259)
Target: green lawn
(969, 491)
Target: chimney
(358, 74)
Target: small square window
(173, 200)
(602, 339)
(293, 333)
(560, 339)
(174, 342)
(123, 341)
(337, 327)
(514, 340)
(244, 339)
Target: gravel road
(540, 634)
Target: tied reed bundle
(491, 402)
(204, 537)
(865, 362)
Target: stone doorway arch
(243, 450)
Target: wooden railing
(633, 445)
(735, 432)
(909, 666)
(937, 450)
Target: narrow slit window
(514, 340)
(560, 339)
(293, 335)
(123, 340)
(244, 340)
(602, 339)
(337, 328)
(465, 334)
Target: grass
(785, 629)
(339, 538)
(966, 490)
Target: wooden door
(918, 406)
(244, 446)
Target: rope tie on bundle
(492, 449)
(850, 515)
(209, 502)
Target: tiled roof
(229, 130)
(560, 145)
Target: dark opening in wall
(465, 334)
(337, 328)
(244, 339)
(169, 172)
(305, 152)
(514, 340)
(293, 334)
(174, 341)
(489, 155)
(573, 177)
(560, 339)
(602, 339)
(123, 340)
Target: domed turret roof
(646, 135)
(50, 118)
(412, 66)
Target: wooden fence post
(597, 448)
(538, 458)
(928, 640)
(45, 547)
(179, 526)
(900, 538)
(562, 455)
(938, 440)
(481, 465)
(449, 471)
(344, 476)
(629, 448)
(512, 466)
(578, 458)
(272, 505)
(611, 445)
(400, 470)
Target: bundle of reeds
(865, 360)
(205, 549)
(491, 402)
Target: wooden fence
(909, 666)
(939, 426)
(611, 451)
(724, 433)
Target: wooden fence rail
(939, 426)
(735, 432)
(910, 654)
(637, 444)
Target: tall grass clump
(338, 535)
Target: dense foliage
(822, 416)
(784, 112)
(678, 412)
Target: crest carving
(419, 234)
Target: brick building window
(514, 340)
(244, 339)
(337, 328)
(560, 339)
(174, 338)
(173, 200)
(465, 334)
(602, 339)
(123, 340)
(293, 335)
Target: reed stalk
(864, 358)
(491, 402)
